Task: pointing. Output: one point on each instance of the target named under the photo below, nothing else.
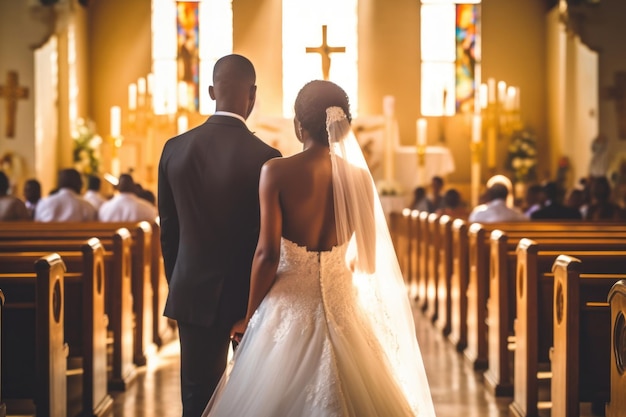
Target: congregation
(592, 199)
(69, 201)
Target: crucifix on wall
(11, 92)
(325, 50)
(618, 93)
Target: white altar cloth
(438, 161)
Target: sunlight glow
(215, 28)
(302, 28)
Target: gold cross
(324, 50)
(12, 92)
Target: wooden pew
(141, 264)
(444, 275)
(422, 261)
(414, 256)
(458, 285)
(118, 295)
(3, 407)
(432, 266)
(617, 300)
(34, 354)
(479, 270)
(534, 297)
(501, 305)
(85, 320)
(580, 358)
(163, 329)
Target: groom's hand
(238, 329)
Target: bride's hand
(238, 329)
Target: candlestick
(116, 121)
(141, 85)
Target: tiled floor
(457, 390)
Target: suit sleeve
(168, 220)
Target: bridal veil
(381, 289)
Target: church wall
(257, 34)
(603, 30)
(514, 50)
(119, 53)
(23, 26)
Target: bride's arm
(267, 254)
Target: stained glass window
(450, 49)
(187, 39)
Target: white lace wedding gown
(309, 350)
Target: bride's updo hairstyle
(311, 104)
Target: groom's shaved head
(233, 71)
(234, 81)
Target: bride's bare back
(305, 193)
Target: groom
(209, 211)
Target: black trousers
(203, 355)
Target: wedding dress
(327, 341)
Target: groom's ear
(211, 92)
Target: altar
(438, 161)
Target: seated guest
(435, 200)
(11, 207)
(496, 210)
(66, 204)
(453, 206)
(576, 199)
(93, 191)
(601, 207)
(534, 199)
(126, 206)
(420, 202)
(32, 195)
(552, 208)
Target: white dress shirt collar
(227, 113)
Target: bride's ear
(297, 128)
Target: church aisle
(457, 390)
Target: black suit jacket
(556, 211)
(209, 214)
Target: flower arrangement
(522, 155)
(86, 147)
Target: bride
(329, 329)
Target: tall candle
(150, 81)
(116, 121)
(422, 125)
(483, 95)
(132, 96)
(501, 92)
(511, 92)
(141, 86)
(182, 95)
(182, 123)
(476, 128)
(491, 84)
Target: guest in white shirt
(496, 210)
(126, 206)
(93, 192)
(66, 204)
